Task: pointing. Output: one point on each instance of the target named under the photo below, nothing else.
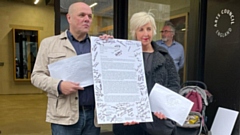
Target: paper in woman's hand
(171, 104)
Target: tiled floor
(25, 115)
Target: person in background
(70, 108)
(159, 68)
(174, 48)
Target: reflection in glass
(26, 42)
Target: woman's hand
(160, 115)
(130, 123)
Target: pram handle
(195, 83)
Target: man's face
(80, 19)
(167, 33)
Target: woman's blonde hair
(139, 19)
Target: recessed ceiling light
(94, 4)
(36, 2)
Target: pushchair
(197, 92)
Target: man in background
(174, 48)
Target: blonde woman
(159, 68)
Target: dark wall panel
(222, 56)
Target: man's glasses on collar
(165, 31)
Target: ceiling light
(94, 4)
(183, 29)
(36, 2)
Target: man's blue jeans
(84, 126)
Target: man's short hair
(168, 23)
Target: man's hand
(68, 88)
(106, 37)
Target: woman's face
(145, 34)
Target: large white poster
(119, 81)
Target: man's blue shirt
(86, 96)
(176, 51)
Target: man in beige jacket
(70, 108)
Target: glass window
(102, 15)
(175, 11)
(164, 10)
(26, 46)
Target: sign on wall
(230, 20)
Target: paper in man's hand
(76, 69)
